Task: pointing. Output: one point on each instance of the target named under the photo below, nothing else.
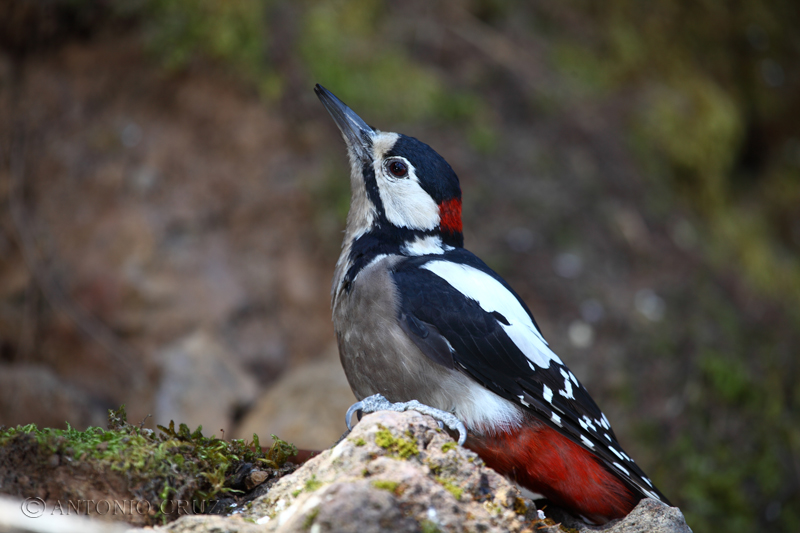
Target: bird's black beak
(357, 134)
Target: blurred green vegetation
(709, 96)
(342, 44)
(717, 116)
(713, 78)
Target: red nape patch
(450, 215)
(544, 461)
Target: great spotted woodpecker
(418, 317)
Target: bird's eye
(398, 168)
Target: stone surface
(35, 392)
(209, 524)
(305, 407)
(201, 385)
(397, 472)
(650, 516)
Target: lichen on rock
(366, 483)
(394, 472)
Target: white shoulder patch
(492, 296)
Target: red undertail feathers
(544, 461)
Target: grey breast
(377, 355)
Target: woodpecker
(420, 319)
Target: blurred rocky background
(173, 196)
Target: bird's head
(401, 188)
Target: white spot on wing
(567, 392)
(621, 468)
(491, 295)
(587, 442)
(555, 418)
(651, 494)
(547, 393)
(615, 452)
(522, 400)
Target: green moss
(359, 442)
(447, 446)
(383, 484)
(171, 463)
(296, 493)
(313, 484)
(450, 487)
(429, 526)
(396, 445)
(310, 517)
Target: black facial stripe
(371, 185)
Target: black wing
(463, 315)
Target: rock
(35, 394)
(399, 472)
(394, 472)
(650, 516)
(209, 524)
(201, 385)
(305, 407)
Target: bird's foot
(376, 402)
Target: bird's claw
(376, 402)
(358, 406)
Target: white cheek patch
(491, 295)
(406, 203)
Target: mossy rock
(160, 475)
